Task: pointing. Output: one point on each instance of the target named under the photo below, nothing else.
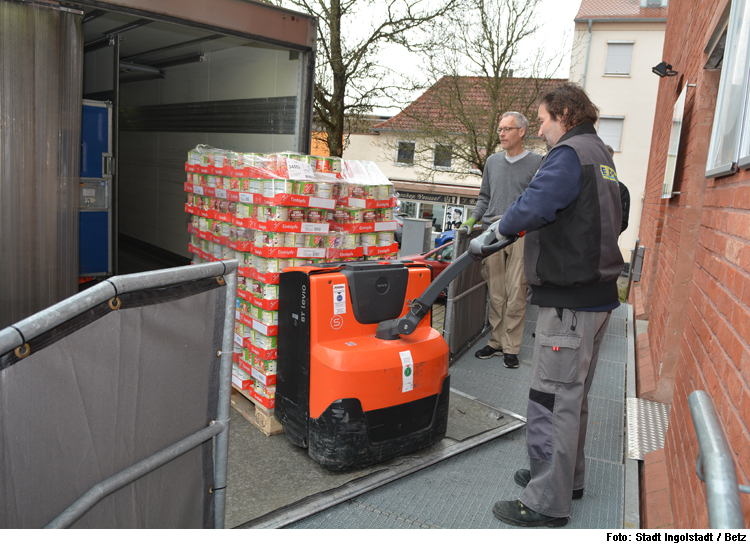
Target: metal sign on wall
(436, 198)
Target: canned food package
(313, 240)
(297, 214)
(323, 164)
(257, 289)
(273, 265)
(264, 342)
(225, 226)
(369, 239)
(260, 265)
(346, 216)
(256, 312)
(267, 367)
(273, 239)
(283, 186)
(324, 190)
(340, 191)
(270, 291)
(269, 318)
(301, 262)
(334, 164)
(331, 240)
(312, 160)
(348, 240)
(369, 215)
(316, 215)
(268, 188)
(389, 237)
(305, 188)
(245, 234)
(216, 227)
(275, 213)
(194, 240)
(256, 185)
(241, 283)
(294, 240)
(258, 238)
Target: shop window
(730, 134)
(619, 57)
(443, 156)
(405, 154)
(610, 130)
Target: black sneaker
(523, 477)
(510, 360)
(518, 514)
(487, 352)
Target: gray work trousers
(565, 354)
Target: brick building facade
(695, 289)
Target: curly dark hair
(570, 105)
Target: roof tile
(618, 9)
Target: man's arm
(483, 200)
(555, 186)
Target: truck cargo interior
(175, 87)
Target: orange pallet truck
(362, 377)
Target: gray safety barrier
(115, 404)
(466, 307)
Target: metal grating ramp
(459, 492)
(647, 426)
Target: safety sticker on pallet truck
(407, 371)
(339, 299)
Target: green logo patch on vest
(608, 173)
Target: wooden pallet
(255, 413)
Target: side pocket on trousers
(559, 356)
(540, 424)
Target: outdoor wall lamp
(662, 69)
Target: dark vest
(574, 262)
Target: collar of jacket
(586, 127)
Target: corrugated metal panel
(40, 120)
(275, 115)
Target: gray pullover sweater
(502, 183)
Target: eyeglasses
(506, 130)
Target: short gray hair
(521, 121)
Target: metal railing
(715, 465)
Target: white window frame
(398, 148)
(434, 153)
(621, 119)
(606, 58)
(729, 148)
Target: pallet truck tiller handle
(480, 247)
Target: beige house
(616, 44)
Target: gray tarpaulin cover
(104, 391)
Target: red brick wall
(696, 282)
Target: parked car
(439, 258)
(399, 227)
(444, 238)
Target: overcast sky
(555, 19)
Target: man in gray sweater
(506, 176)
